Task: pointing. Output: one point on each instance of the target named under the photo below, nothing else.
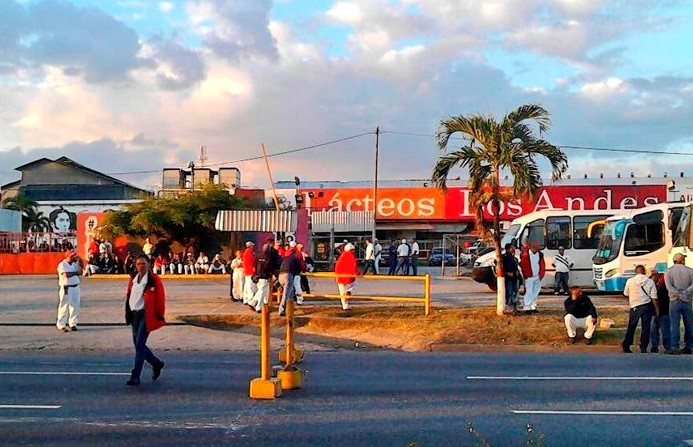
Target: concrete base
(297, 357)
(265, 389)
(290, 380)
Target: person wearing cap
(642, 298)
(562, 263)
(217, 265)
(249, 288)
(69, 271)
(403, 252)
(346, 268)
(679, 282)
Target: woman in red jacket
(145, 306)
(346, 265)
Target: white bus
(636, 237)
(682, 241)
(577, 231)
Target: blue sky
(131, 85)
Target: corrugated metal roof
(343, 221)
(256, 220)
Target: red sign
(432, 204)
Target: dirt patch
(405, 327)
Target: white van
(577, 231)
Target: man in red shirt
(249, 287)
(347, 269)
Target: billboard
(431, 204)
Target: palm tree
(28, 208)
(36, 221)
(511, 145)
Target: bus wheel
(493, 286)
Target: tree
(32, 220)
(36, 221)
(511, 145)
(183, 218)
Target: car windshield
(610, 241)
(511, 234)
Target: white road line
(576, 378)
(605, 413)
(60, 373)
(30, 407)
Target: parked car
(436, 257)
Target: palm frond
(533, 112)
(554, 154)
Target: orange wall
(29, 263)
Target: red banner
(431, 204)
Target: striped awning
(341, 221)
(256, 220)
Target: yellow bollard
(291, 377)
(265, 387)
(427, 294)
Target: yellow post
(265, 387)
(291, 377)
(427, 294)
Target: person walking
(511, 271)
(533, 269)
(679, 282)
(145, 309)
(264, 270)
(562, 264)
(403, 252)
(579, 313)
(237, 277)
(642, 296)
(289, 274)
(660, 321)
(369, 259)
(378, 253)
(346, 268)
(392, 258)
(414, 257)
(249, 288)
(69, 271)
(308, 266)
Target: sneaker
(157, 371)
(686, 351)
(588, 341)
(626, 350)
(643, 351)
(654, 351)
(299, 300)
(571, 340)
(73, 328)
(63, 330)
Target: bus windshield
(610, 241)
(510, 235)
(681, 236)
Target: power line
(276, 154)
(563, 146)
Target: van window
(644, 238)
(533, 232)
(581, 239)
(559, 232)
(682, 233)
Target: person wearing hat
(346, 268)
(403, 252)
(249, 288)
(69, 271)
(562, 263)
(679, 282)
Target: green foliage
(32, 219)
(184, 218)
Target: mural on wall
(62, 220)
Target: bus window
(533, 232)
(558, 232)
(674, 218)
(644, 238)
(682, 234)
(583, 241)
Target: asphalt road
(350, 399)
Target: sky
(128, 87)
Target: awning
(341, 221)
(256, 220)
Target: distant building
(178, 180)
(62, 188)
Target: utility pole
(375, 183)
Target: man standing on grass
(69, 271)
(511, 272)
(579, 313)
(642, 298)
(562, 263)
(679, 282)
(533, 270)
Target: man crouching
(580, 313)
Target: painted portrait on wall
(62, 221)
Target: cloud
(166, 7)
(177, 66)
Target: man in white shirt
(562, 263)
(202, 263)
(414, 256)
(148, 248)
(69, 270)
(402, 258)
(217, 266)
(642, 298)
(369, 260)
(378, 253)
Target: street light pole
(375, 183)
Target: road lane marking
(576, 378)
(30, 407)
(605, 413)
(60, 373)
